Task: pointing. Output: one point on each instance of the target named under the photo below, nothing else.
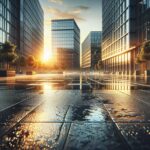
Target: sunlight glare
(47, 56)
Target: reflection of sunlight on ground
(120, 86)
(35, 136)
(47, 87)
(74, 108)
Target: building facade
(66, 43)
(91, 50)
(125, 28)
(9, 21)
(22, 23)
(31, 27)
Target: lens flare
(47, 55)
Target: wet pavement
(89, 112)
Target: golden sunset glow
(47, 56)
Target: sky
(87, 13)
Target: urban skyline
(121, 40)
(79, 10)
(27, 27)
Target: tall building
(91, 50)
(66, 43)
(22, 23)
(31, 27)
(9, 21)
(125, 28)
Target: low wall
(7, 73)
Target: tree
(144, 54)
(31, 61)
(8, 54)
(20, 62)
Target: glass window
(127, 14)
(4, 37)
(1, 36)
(128, 27)
(8, 27)
(127, 3)
(0, 8)
(1, 22)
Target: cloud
(82, 7)
(79, 9)
(72, 13)
(56, 1)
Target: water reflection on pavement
(74, 112)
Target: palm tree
(8, 54)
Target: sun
(46, 56)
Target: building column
(133, 62)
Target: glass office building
(91, 50)
(22, 23)
(9, 21)
(125, 28)
(66, 42)
(31, 27)
(118, 35)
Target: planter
(7, 73)
(30, 73)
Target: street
(72, 112)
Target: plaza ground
(74, 112)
